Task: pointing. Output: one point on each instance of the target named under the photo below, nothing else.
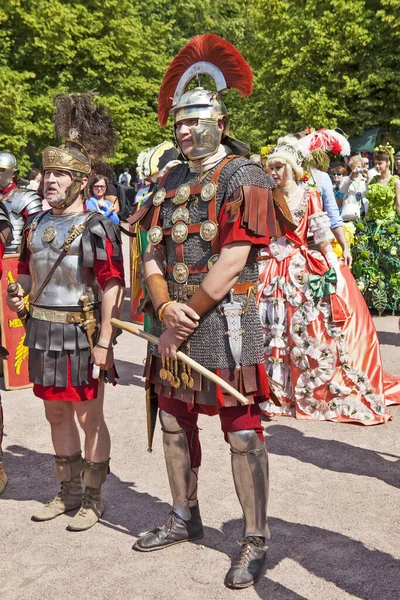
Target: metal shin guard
(177, 459)
(68, 467)
(95, 473)
(250, 474)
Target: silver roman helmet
(204, 55)
(8, 168)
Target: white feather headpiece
(327, 140)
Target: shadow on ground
(360, 571)
(129, 373)
(389, 338)
(332, 455)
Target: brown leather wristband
(201, 302)
(157, 288)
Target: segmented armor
(20, 203)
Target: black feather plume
(76, 117)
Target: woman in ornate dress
(322, 353)
(376, 251)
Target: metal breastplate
(70, 280)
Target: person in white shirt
(354, 187)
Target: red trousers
(234, 418)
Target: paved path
(334, 507)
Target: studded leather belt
(182, 292)
(56, 316)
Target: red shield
(15, 368)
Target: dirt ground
(333, 511)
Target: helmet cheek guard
(206, 139)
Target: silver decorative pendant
(208, 191)
(159, 197)
(49, 234)
(155, 235)
(212, 260)
(179, 233)
(181, 214)
(180, 273)
(182, 194)
(208, 231)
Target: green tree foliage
(316, 62)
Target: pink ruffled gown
(322, 352)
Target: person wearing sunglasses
(97, 201)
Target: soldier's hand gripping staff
(204, 226)
(71, 264)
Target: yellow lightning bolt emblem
(22, 351)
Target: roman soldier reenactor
(205, 225)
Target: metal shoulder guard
(98, 229)
(19, 203)
(5, 226)
(23, 200)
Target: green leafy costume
(376, 250)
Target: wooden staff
(185, 359)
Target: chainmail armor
(209, 344)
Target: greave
(177, 459)
(250, 475)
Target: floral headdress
(389, 151)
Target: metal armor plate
(159, 197)
(155, 235)
(182, 194)
(70, 280)
(179, 233)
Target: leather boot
(3, 479)
(92, 508)
(68, 471)
(176, 531)
(248, 568)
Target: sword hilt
(15, 290)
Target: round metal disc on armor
(211, 261)
(208, 231)
(155, 235)
(49, 234)
(180, 273)
(179, 233)
(184, 378)
(163, 374)
(181, 214)
(159, 197)
(182, 194)
(208, 191)
(177, 382)
(190, 382)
